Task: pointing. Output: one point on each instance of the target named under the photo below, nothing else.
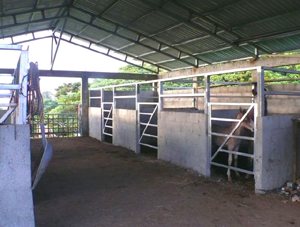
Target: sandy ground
(90, 183)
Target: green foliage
(47, 95)
(67, 98)
(66, 89)
(135, 69)
(49, 105)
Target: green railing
(57, 125)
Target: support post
(195, 90)
(138, 128)
(160, 99)
(85, 106)
(102, 115)
(22, 80)
(260, 92)
(207, 112)
(57, 46)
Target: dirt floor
(90, 183)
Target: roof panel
(213, 30)
(153, 23)
(126, 11)
(179, 34)
(95, 6)
(115, 42)
(93, 34)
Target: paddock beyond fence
(184, 117)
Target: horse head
(247, 122)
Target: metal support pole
(57, 46)
(260, 92)
(138, 129)
(22, 105)
(207, 112)
(102, 115)
(85, 106)
(160, 99)
(195, 90)
(114, 99)
(206, 93)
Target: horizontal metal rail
(125, 97)
(145, 113)
(8, 105)
(148, 103)
(149, 135)
(151, 125)
(10, 47)
(224, 119)
(231, 96)
(230, 104)
(10, 86)
(182, 95)
(232, 136)
(5, 95)
(108, 134)
(232, 168)
(95, 97)
(148, 145)
(280, 70)
(238, 153)
(290, 93)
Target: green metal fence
(57, 125)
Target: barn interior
(170, 112)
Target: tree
(49, 105)
(47, 95)
(67, 88)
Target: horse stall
(177, 118)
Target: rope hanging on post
(34, 96)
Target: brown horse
(232, 144)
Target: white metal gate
(147, 124)
(221, 149)
(107, 119)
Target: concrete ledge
(16, 204)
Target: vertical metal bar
(206, 93)
(207, 113)
(160, 99)
(57, 46)
(85, 106)
(23, 69)
(138, 133)
(102, 115)
(52, 46)
(260, 92)
(137, 108)
(114, 99)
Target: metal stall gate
(147, 124)
(228, 138)
(106, 103)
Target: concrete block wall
(124, 128)
(273, 151)
(182, 140)
(16, 204)
(95, 126)
(179, 102)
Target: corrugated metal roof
(173, 34)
